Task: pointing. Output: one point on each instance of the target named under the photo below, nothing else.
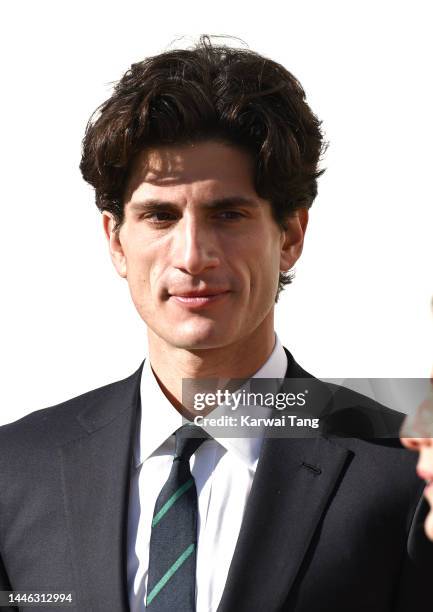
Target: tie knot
(188, 439)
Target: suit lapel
(291, 489)
(96, 473)
(294, 481)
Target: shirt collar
(159, 419)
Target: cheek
(139, 276)
(148, 282)
(266, 268)
(139, 260)
(263, 285)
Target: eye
(160, 216)
(230, 214)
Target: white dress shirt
(223, 470)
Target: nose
(195, 246)
(415, 443)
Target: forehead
(209, 165)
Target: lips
(207, 292)
(424, 475)
(199, 298)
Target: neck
(241, 359)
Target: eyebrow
(217, 204)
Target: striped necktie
(173, 540)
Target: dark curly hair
(208, 92)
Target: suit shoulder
(59, 421)
(343, 412)
(350, 413)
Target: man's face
(417, 434)
(199, 248)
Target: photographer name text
(284, 420)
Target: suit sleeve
(414, 588)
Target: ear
(116, 250)
(292, 239)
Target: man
(417, 434)
(204, 164)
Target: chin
(199, 343)
(198, 337)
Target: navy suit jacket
(333, 523)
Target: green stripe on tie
(173, 569)
(168, 504)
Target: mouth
(428, 479)
(425, 475)
(198, 299)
